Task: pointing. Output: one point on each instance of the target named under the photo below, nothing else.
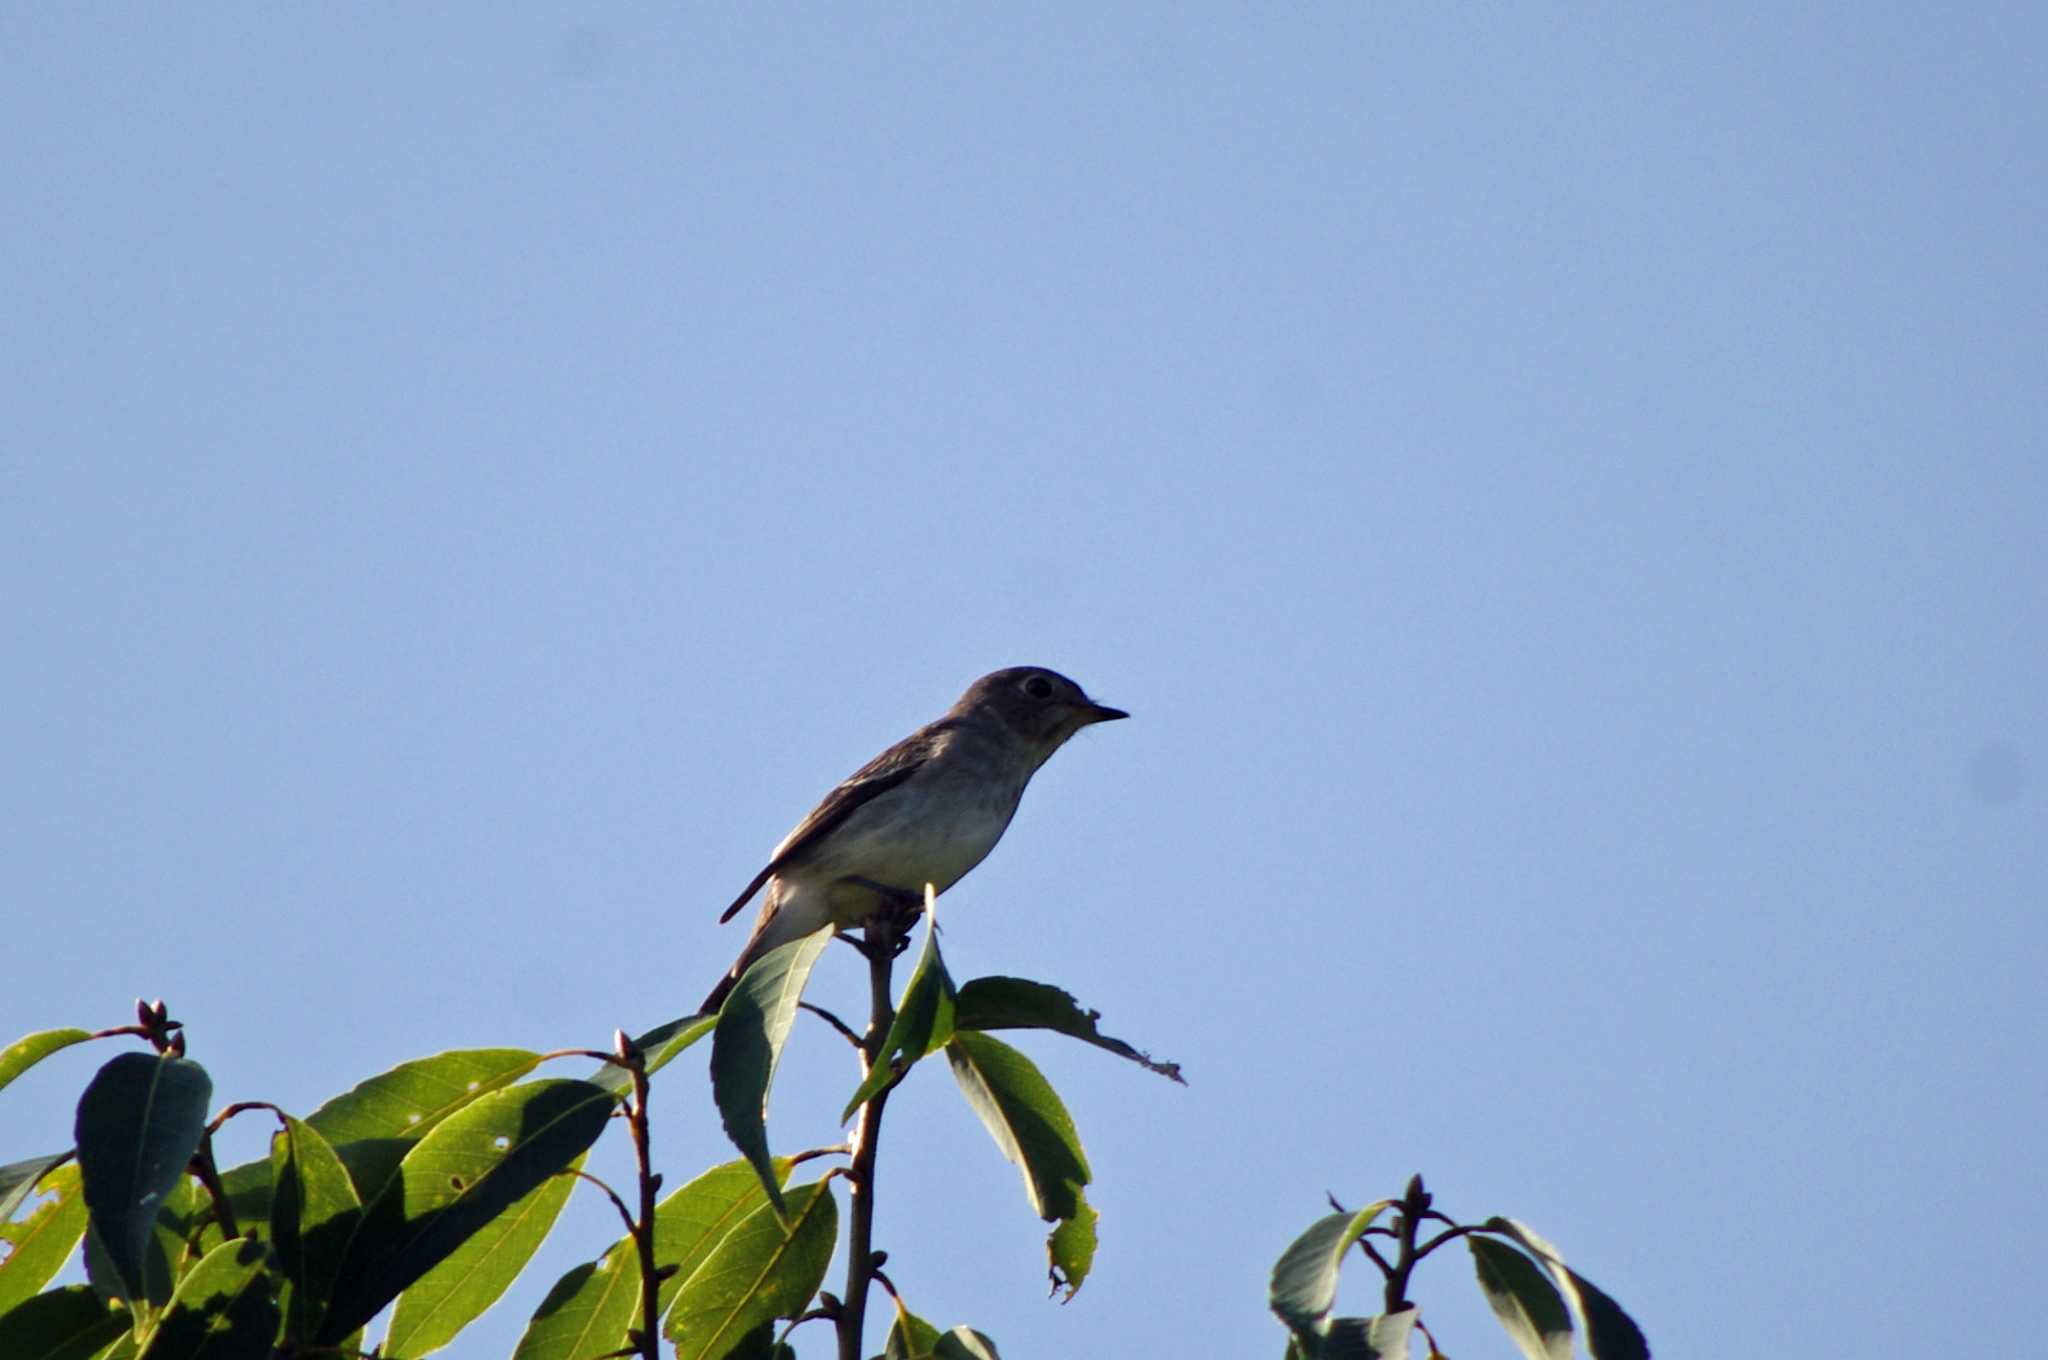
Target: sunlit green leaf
(660, 1046)
(747, 1044)
(473, 1277)
(1025, 1117)
(473, 1166)
(377, 1122)
(765, 1268)
(18, 1180)
(222, 1309)
(590, 1309)
(910, 1338)
(313, 1214)
(30, 1049)
(923, 1023)
(40, 1244)
(1070, 1249)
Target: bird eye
(1038, 687)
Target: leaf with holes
(474, 1165)
(457, 1291)
(39, 1245)
(1018, 1003)
(377, 1122)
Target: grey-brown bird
(926, 810)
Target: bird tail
(783, 918)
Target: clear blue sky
(1562, 493)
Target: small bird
(926, 810)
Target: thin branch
(878, 946)
(832, 1020)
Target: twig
(860, 1254)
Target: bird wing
(870, 781)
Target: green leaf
(1304, 1285)
(923, 1023)
(767, 1267)
(1610, 1333)
(313, 1214)
(1018, 1003)
(222, 1309)
(747, 1044)
(1025, 1117)
(1375, 1338)
(590, 1309)
(911, 1338)
(73, 1323)
(18, 1180)
(375, 1124)
(173, 1248)
(1070, 1250)
(964, 1343)
(456, 1292)
(473, 1166)
(661, 1045)
(31, 1049)
(1528, 1305)
(39, 1245)
(139, 1122)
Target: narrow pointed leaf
(456, 1292)
(1528, 1305)
(1304, 1285)
(923, 1023)
(746, 1045)
(1018, 1003)
(765, 1268)
(375, 1124)
(1375, 1338)
(1025, 1117)
(1070, 1250)
(313, 1214)
(222, 1309)
(661, 1045)
(139, 1122)
(473, 1166)
(590, 1309)
(40, 1244)
(31, 1049)
(1610, 1333)
(18, 1180)
(73, 1323)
